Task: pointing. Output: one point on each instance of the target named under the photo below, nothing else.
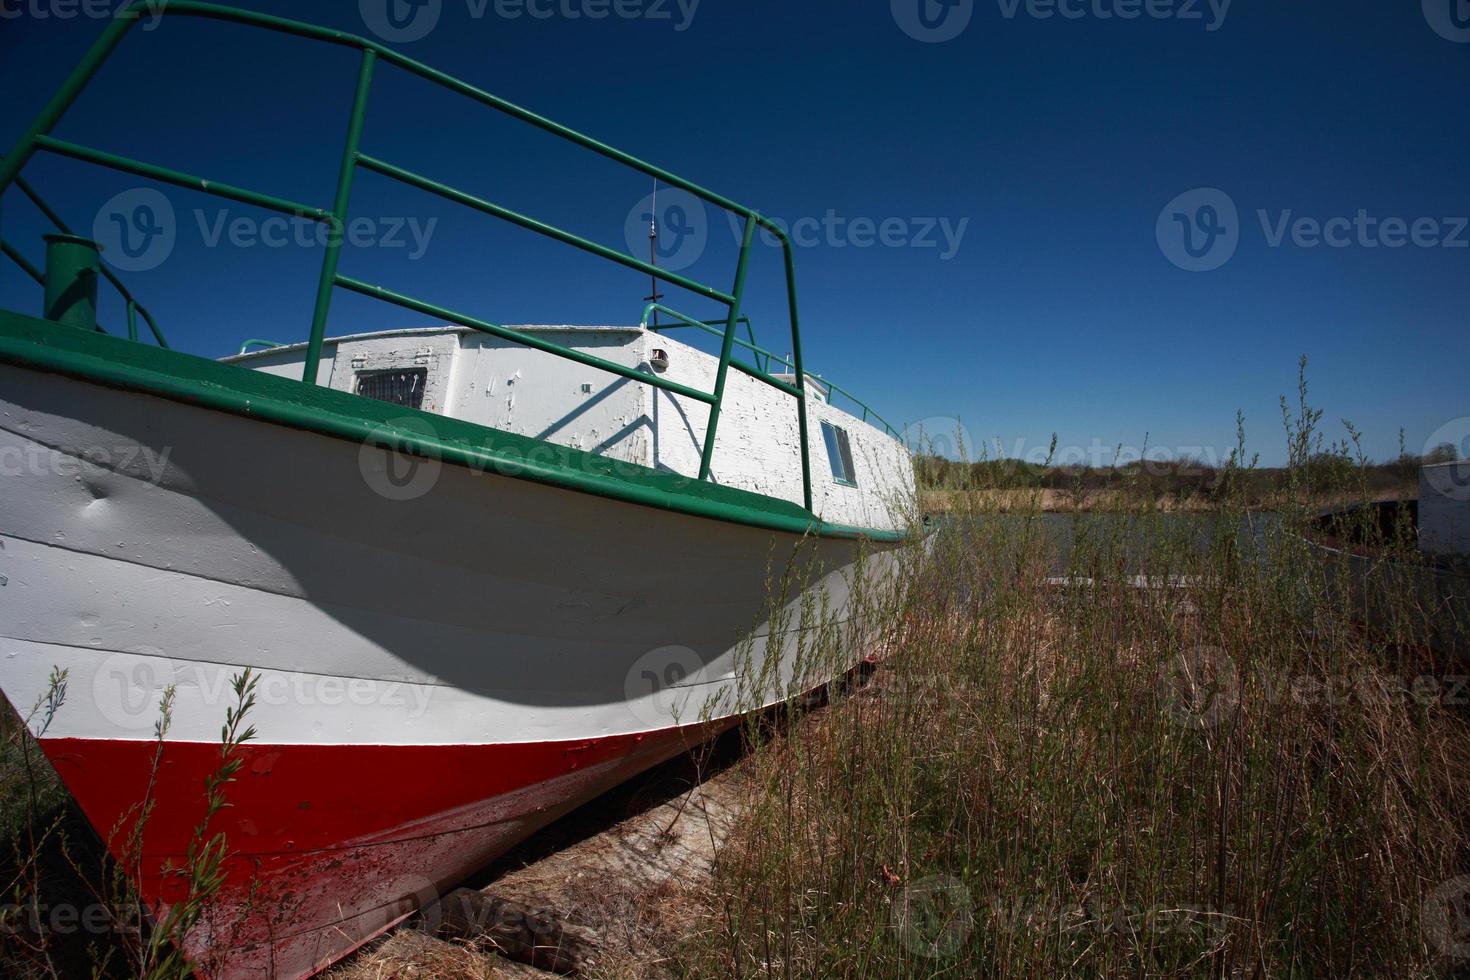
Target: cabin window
(401, 386)
(839, 454)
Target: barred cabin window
(400, 386)
(839, 454)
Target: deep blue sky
(1057, 141)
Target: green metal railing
(38, 137)
(758, 373)
(133, 308)
(763, 357)
(868, 414)
(650, 316)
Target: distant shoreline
(1053, 501)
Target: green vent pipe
(72, 270)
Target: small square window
(839, 454)
(404, 386)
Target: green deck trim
(119, 363)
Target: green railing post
(132, 320)
(152, 324)
(806, 449)
(762, 360)
(337, 228)
(727, 349)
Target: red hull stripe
(331, 843)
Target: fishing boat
(461, 577)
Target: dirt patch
(621, 870)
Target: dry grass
(1064, 773)
(409, 954)
(1014, 500)
(1220, 779)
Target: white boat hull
(437, 676)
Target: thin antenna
(654, 295)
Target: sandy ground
(617, 871)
